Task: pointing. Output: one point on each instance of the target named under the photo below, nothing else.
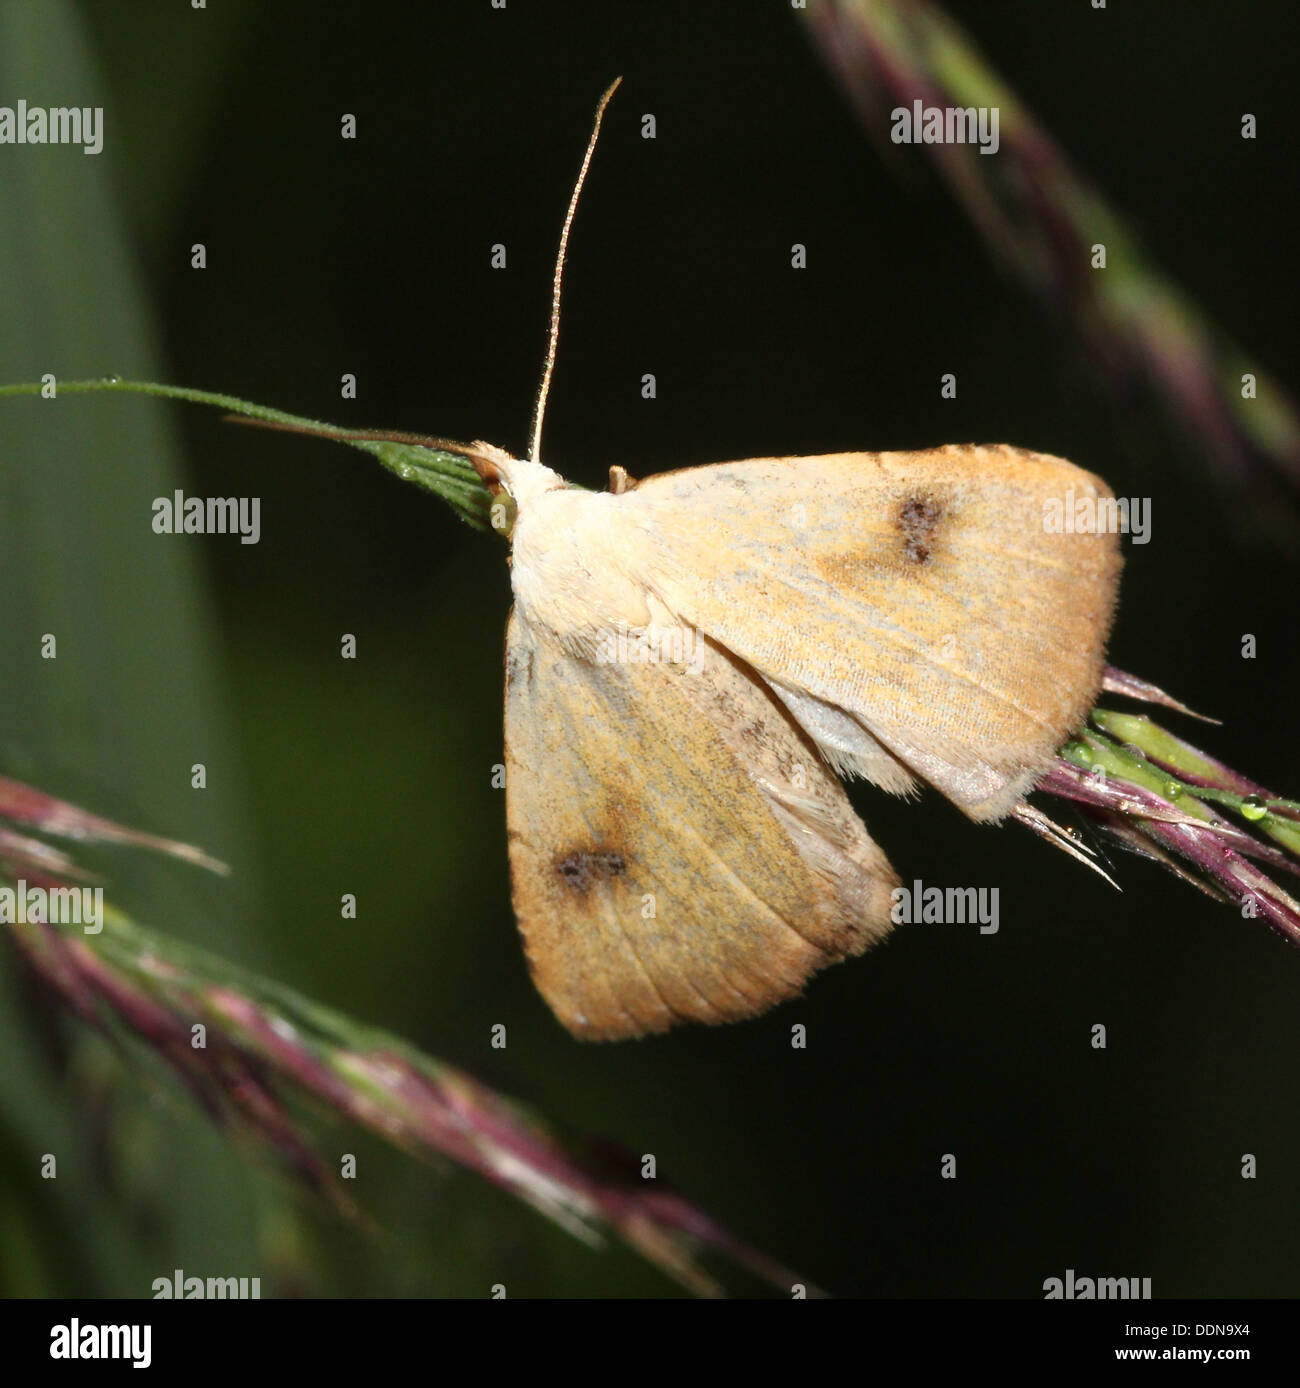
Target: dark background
(372, 257)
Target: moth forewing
(679, 852)
(914, 610)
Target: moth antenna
(539, 411)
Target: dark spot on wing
(580, 869)
(918, 519)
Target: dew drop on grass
(1253, 807)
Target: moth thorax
(575, 565)
(526, 480)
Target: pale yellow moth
(693, 660)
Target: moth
(680, 846)
(694, 660)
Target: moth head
(513, 482)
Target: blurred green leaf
(120, 716)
